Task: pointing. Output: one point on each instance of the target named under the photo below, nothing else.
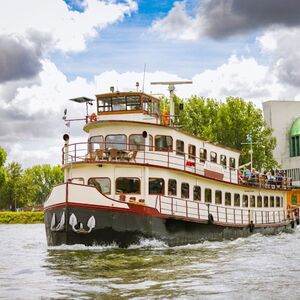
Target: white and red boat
(137, 176)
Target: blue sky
(54, 50)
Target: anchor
(60, 225)
(91, 223)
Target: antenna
(144, 78)
(171, 88)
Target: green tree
(228, 124)
(18, 190)
(3, 156)
(44, 178)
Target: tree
(18, 189)
(44, 178)
(228, 124)
(3, 156)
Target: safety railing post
(242, 213)
(274, 221)
(186, 208)
(226, 214)
(217, 213)
(234, 216)
(184, 162)
(172, 212)
(262, 217)
(198, 209)
(255, 217)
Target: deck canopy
(127, 102)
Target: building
(284, 118)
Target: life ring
(165, 118)
(93, 117)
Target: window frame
(115, 144)
(130, 193)
(181, 190)
(218, 202)
(161, 135)
(213, 160)
(178, 151)
(191, 151)
(198, 193)
(170, 190)
(208, 195)
(163, 186)
(101, 177)
(202, 155)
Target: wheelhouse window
(203, 155)
(218, 197)
(223, 160)
(227, 199)
(207, 195)
(172, 187)
(118, 103)
(179, 147)
(102, 184)
(197, 193)
(245, 201)
(266, 201)
(252, 201)
(151, 106)
(104, 104)
(192, 152)
(271, 201)
(136, 142)
(156, 186)
(163, 143)
(213, 156)
(128, 185)
(259, 201)
(116, 141)
(185, 190)
(133, 103)
(96, 142)
(237, 200)
(232, 162)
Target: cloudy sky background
(54, 50)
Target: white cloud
(69, 29)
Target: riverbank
(30, 217)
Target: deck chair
(100, 154)
(113, 154)
(132, 155)
(91, 156)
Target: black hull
(124, 229)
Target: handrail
(78, 152)
(200, 211)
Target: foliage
(228, 124)
(2, 169)
(21, 217)
(27, 188)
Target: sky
(55, 50)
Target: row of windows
(294, 174)
(162, 143)
(132, 185)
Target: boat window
(104, 104)
(136, 142)
(203, 155)
(128, 185)
(96, 142)
(213, 156)
(133, 103)
(227, 199)
(277, 201)
(118, 103)
(78, 180)
(237, 200)
(147, 105)
(163, 143)
(245, 200)
(102, 184)
(156, 186)
(185, 190)
(252, 201)
(223, 160)
(151, 143)
(259, 201)
(172, 187)
(192, 152)
(116, 141)
(179, 147)
(232, 162)
(218, 197)
(207, 197)
(266, 201)
(197, 193)
(271, 201)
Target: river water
(258, 267)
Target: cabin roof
(115, 94)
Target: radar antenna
(171, 88)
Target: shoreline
(30, 217)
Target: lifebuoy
(165, 118)
(93, 117)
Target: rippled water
(257, 267)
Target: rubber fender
(210, 219)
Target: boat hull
(126, 228)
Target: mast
(171, 88)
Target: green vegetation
(9, 217)
(228, 123)
(21, 188)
